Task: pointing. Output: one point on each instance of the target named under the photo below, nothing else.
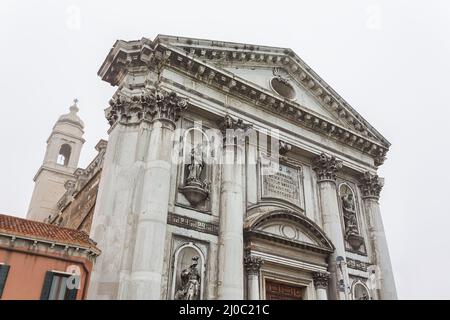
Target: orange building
(43, 261)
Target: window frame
(4, 271)
(48, 292)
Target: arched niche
(195, 139)
(188, 273)
(352, 224)
(196, 169)
(64, 154)
(360, 291)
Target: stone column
(326, 168)
(321, 284)
(370, 187)
(115, 200)
(231, 245)
(253, 266)
(147, 266)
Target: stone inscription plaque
(280, 182)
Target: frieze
(357, 265)
(192, 224)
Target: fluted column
(326, 168)
(231, 245)
(252, 267)
(320, 280)
(371, 186)
(147, 266)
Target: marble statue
(195, 168)
(348, 206)
(190, 282)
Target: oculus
(280, 84)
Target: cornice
(226, 81)
(57, 246)
(222, 52)
(51, 169)
(195, 63)
(64, 133)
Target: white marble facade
(177, 222)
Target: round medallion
(282, 87)
(289, 232)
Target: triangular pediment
(264, 77)
(257, 65)
(248, 72)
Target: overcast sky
(388, 59)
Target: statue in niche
(195, 168)
(190, 282)
(360, 292)
(195, 188)
(348, 206)
(352, 234)
(364, 296)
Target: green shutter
(4, 269)
(47, 285)
(72, 294)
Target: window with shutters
(59, 286)
(4, 269)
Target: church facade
(231, 171)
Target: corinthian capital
(326, 167)
(233, 130)
(228, 123)
(151, 105)
(321, 279)
(252, 264)
(371, 185)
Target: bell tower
(60, 161)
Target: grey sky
(388, 59)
